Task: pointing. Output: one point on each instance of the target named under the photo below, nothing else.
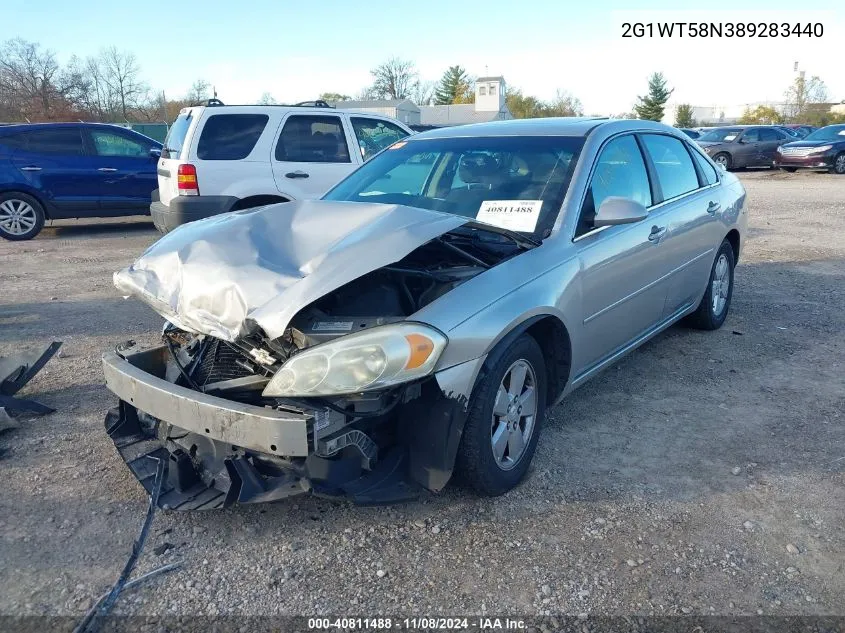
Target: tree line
(110, 87)
(399, 79)
(107, 87)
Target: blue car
(53, 171)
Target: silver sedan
(419, 319)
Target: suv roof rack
(213, 102)
(317, 103)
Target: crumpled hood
(220, 275)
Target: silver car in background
(420, 318)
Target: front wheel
(714, 306)
(21, 216)
(838, 166)
(507, 409)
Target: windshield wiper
(471, 229)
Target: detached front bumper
(220, 452)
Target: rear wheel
(713, 309)
(838, 166)
(506, 414)
(723, 159)
(21, 216)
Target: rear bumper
(184, 209)
(812, 161)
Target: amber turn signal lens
(421, 349)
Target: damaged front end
(237, 412)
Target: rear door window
(707, 169)
(112, 144)
(673, 164)
(771, 135)
(230, 136)
(313, 139)
(65, 141)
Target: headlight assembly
(380, 357)
(820, 149)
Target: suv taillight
(187, 181)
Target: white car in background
(219, 158)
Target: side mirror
(155, 152)
(617, 210)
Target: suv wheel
(21, 216)
(838, 166)
(506, 414)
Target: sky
(296, 50)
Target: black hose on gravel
(105, 603)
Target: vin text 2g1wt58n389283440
(420, 318)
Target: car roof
(28, 127)
(560, 126)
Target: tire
(838, 166)
(711, 314)
(791, 170)
(21, 216)
(493, 471)
(723, 158)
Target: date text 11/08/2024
(722, 29)
(420, 623)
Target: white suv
(222, 158)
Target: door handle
(296, 174)
(656, 233)
(713, 207)
(31, 168)
(107, 169)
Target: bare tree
(394, 79)
(423, 93)
(803, 92)
(266, 99)
(32, 84)
(564, 104)
(121, 74)
(198, 91)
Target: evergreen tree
(454, 87)
(650, 107)
(684, 116)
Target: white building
(489, 106)
(400, 109)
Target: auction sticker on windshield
(514, 215)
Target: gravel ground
(703, 474)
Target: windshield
(514, 182)
(829, 133)
(721, 135)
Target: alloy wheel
(839, 164)
(514, 414)
(17, 217)
(721, 285)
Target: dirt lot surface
(703, 474)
